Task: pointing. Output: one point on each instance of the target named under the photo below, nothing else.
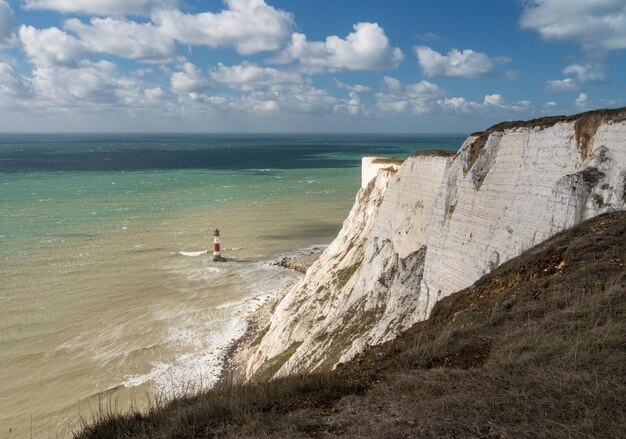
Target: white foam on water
(193, 254)
(199, 337)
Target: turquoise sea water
(96, 295)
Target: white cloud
(427, 98)
(550, 104)
(586, 72)
(101, 7)
(581, 100)
(367, 48)
(127, 39)
(457, 104)
(248, 76)
(397, 97)
(250, 26)
(51, 47)
(64, 86)
(418, 90)
(290, 98)
(494, 100)
(456, 64)
(89, 87)
(7, 25)
(567, 85)
(490, 103)
(357, 88)
(189, 82)
(593, 23)
(285, 100)
(12, 86)
(599, 26)
(352, 105)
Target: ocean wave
(199, 337)
(193, 254)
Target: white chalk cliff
(435, 224)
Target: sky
(401, 66)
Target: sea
(109, 298)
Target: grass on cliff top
(536, 349)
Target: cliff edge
(434, 224)
(534, 349)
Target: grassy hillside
(536, 349)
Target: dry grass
(224, 409)
(389, 160)
(537, 349)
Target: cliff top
(388, 160)
(434, 153)
(585, 127)
(537, 347)
(607, 115)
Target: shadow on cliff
(534, 349)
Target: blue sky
(305, 66)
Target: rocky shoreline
(301, 261)
(258, 321)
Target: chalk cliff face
(525, 185)
(435, 224)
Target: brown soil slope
(536, 349)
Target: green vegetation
(389, 160)
(273, 365)
(356, 321)
(259, 337)
(345, 274)
(536, 349)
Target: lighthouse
(217, 252)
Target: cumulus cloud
(420, 89)
(586, 72)
(189, 81)
(101, 7)
(581, 100)
(356, 88)
(7, 25)
(248, 76)
(51, 47)
(599, 26)
(490, 103)
(495, 100)
(367, 48)
(11, 85)
(249, 26)
(567, 85)
(290, 98)
(395, 96)
(124, 38)
(91, 86)
(592, 23)
(352, 105)
(456, 64)
(427, 98)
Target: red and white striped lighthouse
(217, 252)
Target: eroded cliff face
(434, 225)
(523, 186)
(360, 291)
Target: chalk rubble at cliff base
(434, 224)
